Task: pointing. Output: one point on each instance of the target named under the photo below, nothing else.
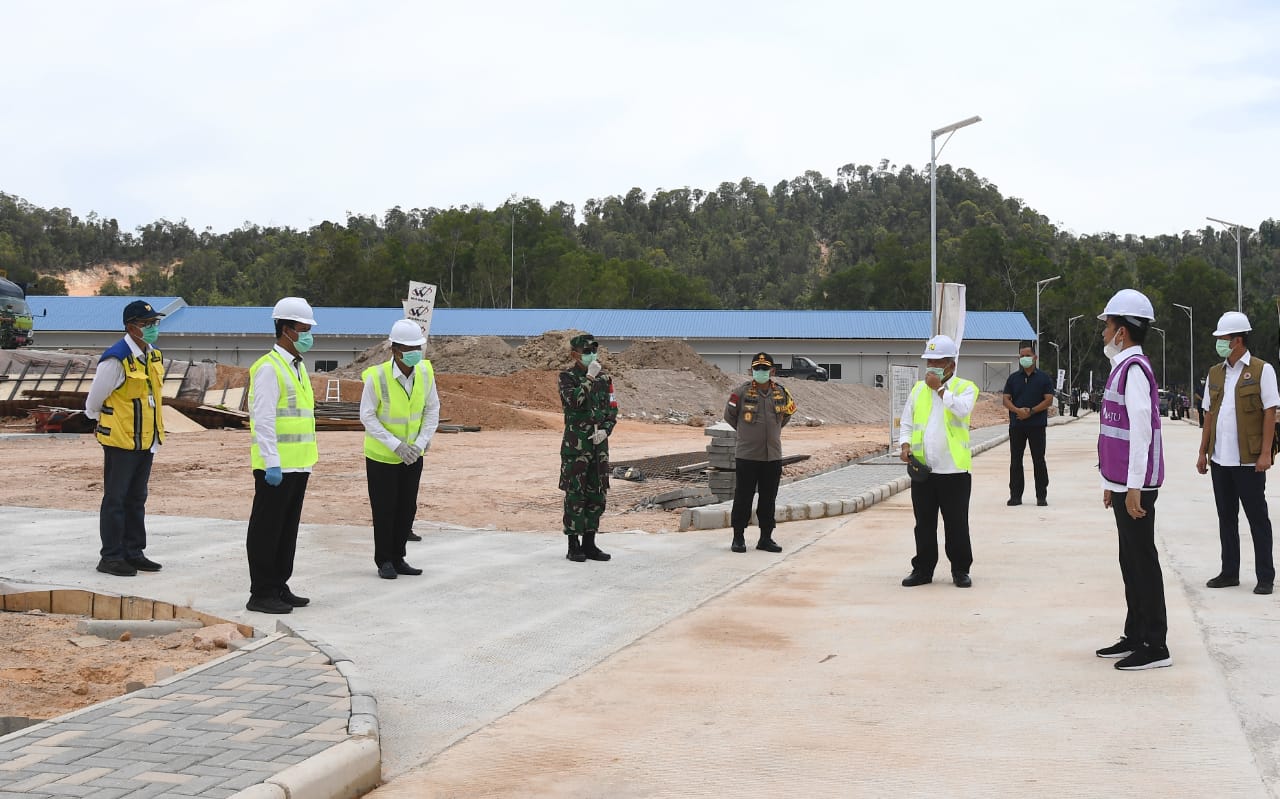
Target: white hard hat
(939, 347)
(1232, 322)
(294, 309)
(1129, 302)
(408, 333)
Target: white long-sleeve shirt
(374, 427)
(1226, 446)
(266, 396)
(107, 377)
(1137, 402)
(937, 452)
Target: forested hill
(858, 241)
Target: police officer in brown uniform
(758, 410)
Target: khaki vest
(1249, 408)
(399, 412)
(295, 416)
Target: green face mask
(412, 357)
(936, 371)
(588, 358)
(1025, 362)
(760, 375)
(1224, 348)
(304, 341)
(150, 333)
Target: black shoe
(1262, 588)
(120, 568)
(1122, 648)
(767, 544)
(575, 552)
(413, 536)
(1013, 502)
(1223, 581)
(386, 571)
(961, 580)
(917, 578)
(1146, 657)
(404, 568)
(293, 599)
(1042, 502)
(268, 604)
(143, 564)
(739, 541)
(591, 551)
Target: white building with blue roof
(854, 346)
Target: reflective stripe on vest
(295, 416)
(957, 430)
(1114, 427)
(400, 413)
(130, 417)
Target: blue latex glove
(274, 476)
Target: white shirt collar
(1240, 363)
(1128, 352)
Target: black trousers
(1019, 438)
(752, 478)
(1235, 487)
(1145, 620)
(393, 497)
(273, 531)
(948, 493)
(121, 524)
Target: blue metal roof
(103, 313)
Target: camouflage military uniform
(584, 466)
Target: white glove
(593, 371)
(407, 454)
(598, 436)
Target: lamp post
(1191, 350)
(1234, 230)
(949, 130)
(1164, 381)
(1071, 378)
(1040, 285)
(512, 301)
(1057, 357)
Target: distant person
(1175, 406)
(125, 401)
(1199, 403)
(1028, 395)
(1075, 403)
(400, 410)
(1062, 402)
(1235, 447)
(1131, 459)
(1084, 400)
(590, 413)
(758, 410)
(935, 431)
(282, 424)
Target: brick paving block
(817, 510)
(29, 600)
(106, 606)
(71, 602)
(136, 608)
(107, 793)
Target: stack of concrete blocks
(720, 450)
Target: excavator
(15, 316)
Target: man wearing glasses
(590, 412)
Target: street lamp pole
(1057, 357)
(1040, 285)
(1071, 378)
(512, 301)
(1164, 382)
(1234, 230)
(1191, 350)
(934, 151)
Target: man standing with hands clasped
(758, 410)
(935, 431)
(1028, 394)
(1235, 447)
(400, 410)
(282, 423)
(1131, 459)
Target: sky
(1138, 117)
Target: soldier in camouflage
(590, 412)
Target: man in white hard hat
(1240, 402)
(935, 432)
(1131, 459)
(400, 410)
(283, 427)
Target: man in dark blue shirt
(1028, 395)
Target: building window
(833, 370)
(326, 366)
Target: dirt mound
(525, 400)
(473, 355)
(669, 354)
(551, 350)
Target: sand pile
(551, 350)
(669, 354)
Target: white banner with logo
(420, 304)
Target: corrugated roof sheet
(103, 313)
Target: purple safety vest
(1113, 432)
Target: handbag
(917, 469)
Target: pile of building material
(720, 457)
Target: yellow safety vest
(130, 417)
(295, 416)
(957, 429)
(399, 412)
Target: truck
(15, 316)
(801, 369)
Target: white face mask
(1111, 349)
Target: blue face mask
(760, 375)
(412, 357)
(304, 341)
(588, 358)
